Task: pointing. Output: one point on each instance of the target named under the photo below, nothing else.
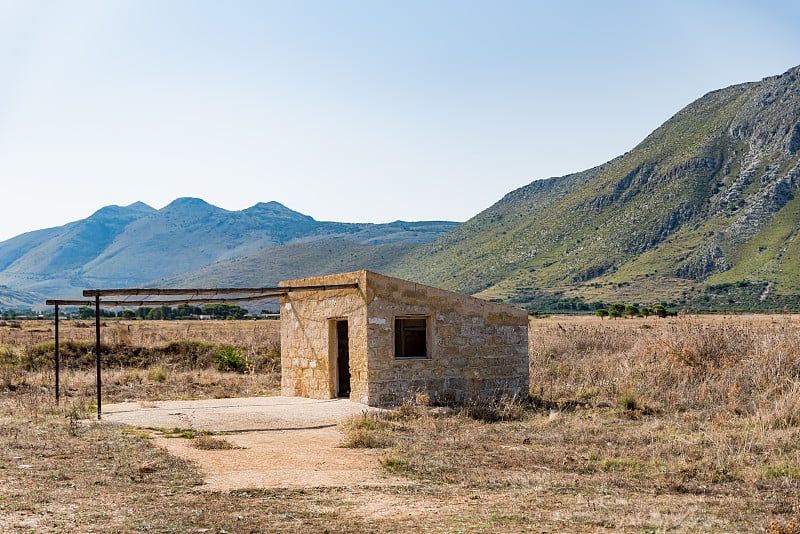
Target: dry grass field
(686, 424)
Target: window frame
(399, 329)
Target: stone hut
(384, 339)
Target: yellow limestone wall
(308, 349)
(476, 349)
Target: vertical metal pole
(56, 356)
(97, 355)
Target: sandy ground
(285, 442)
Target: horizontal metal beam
(60, 302)
(253, 293)
(177, 302)
(125, 292)
(170, 302)
(211, 291)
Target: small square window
(411, 337)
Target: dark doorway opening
(342, 360)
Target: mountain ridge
(122, 246)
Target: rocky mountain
(127, 246)
(703, 213)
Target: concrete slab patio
(285, 442)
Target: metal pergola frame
(199, 296)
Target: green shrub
(74, 354)
(230, 359)
(8, 358)
(157, 374)
(627, 402)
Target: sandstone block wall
(308, 339)
(476, 349)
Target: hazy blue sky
(365, 111)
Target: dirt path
(285, 442)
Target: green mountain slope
(267, 267)
(705, 203)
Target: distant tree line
(579, 306)
(168, 313)
(563, 305)
(620, 309)
(25, 313)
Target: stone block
(455, 384)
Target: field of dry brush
(687, 424)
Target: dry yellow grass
(144, 360)
(686, 424)
(143, 333)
